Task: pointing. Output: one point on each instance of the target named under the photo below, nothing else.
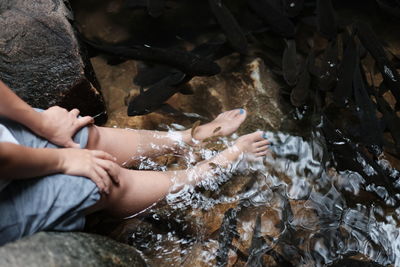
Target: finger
(83, 121)
(105, 178)
(72, 144)
(111, 168)
(75, 112)
(98, 181)
(103, 155)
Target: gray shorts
(51, 203)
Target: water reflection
(293, 208)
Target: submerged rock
(69, 249)
(41, 59)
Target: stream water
(302, 205)
(292, 208)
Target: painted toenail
(265, 136)
(241, 111)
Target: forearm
(20, 162)
(13, 107)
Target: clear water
(308, 213)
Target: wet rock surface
(69, 249)
(41, 58)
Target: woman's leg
(126, 144)
(138, 190)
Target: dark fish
(371, 134)
(391, 120)
(250, 22)
(300, 92)
(326, 19)
(344, 86)
(136, 4)
(148, 75)
(328, 76)
(348, 156)
(349, 262)
(258, 246)
(289, 63)
(371, 42)
(229, 26)
(186, 62)
(212, 50)
(155, 7)
(154, 97)
(293, 7)
(273, 17)
(227, 233)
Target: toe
(261, 154)
(241, 112)
(262, 149)
(256, 136)
(262, 143)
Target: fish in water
(289, 63)
(258, 246)
(293, 7)
(327, 77)
(149, 75)
(344, 85)
(273, 17)
(186, 62)
(371, 135)
(391, 120)
(348, 156)
(227, 232)
(371, 42)
(229, 25)
(326, 19)
(300, 92)
(154, 7)
(155, 96)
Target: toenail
(265, 136)
(241, 111)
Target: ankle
(188, 139)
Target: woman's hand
(58, 125)
(96, 165)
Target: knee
(94, 137)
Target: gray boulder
(41, 58)
(69, 249)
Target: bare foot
(224, 124)
(253, 144)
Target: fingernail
(241, 111)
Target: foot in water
(224, 124)
(250, 146)
(254, 145)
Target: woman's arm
(55, 124)
(19, 162)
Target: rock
(41, 58)
(69, 249)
